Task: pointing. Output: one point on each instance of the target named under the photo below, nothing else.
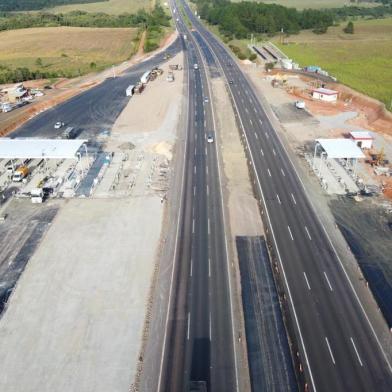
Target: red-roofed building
(325, 94)
(362, 139)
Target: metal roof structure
(325, 91)
(361, 135)
(39, 148)
(340, 148)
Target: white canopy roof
(39, 148)
(340, 148)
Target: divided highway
(338, 346)
(199, 350)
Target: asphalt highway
(200, 350)
(337, 344)
(95, 110)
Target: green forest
(28, 5)
(240, 19)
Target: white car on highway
(210, 138)
(58, 125)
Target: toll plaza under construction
(334, 162)
(34, 167)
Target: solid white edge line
(330, 351)
(356, 351)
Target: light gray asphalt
(338, 348)
(200, 349)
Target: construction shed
(362, 139)
(325, 94)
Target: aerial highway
(337, 344)
(95, 110)
(199, 351)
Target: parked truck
(145, 77)
(20, 173)
(37, 195)
(139, 88)
(130, 90)
(170, 77)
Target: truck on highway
(129, 91)
(145, 77)
(20, 173)
(69, 133)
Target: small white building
(325, 94)
(362, 139)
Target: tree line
(142, 18)
(28, 5)
(240, 19)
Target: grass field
(110, 7)
(67, 48)
(362, 61)
(301, 4)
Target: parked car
(58, 125)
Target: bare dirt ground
(79, 316)
(243, 209)
(67, 88)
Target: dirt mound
(163, 148)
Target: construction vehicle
(37, 195)
(170, 77)
(20, 173)
(139, 88)
(378, 158)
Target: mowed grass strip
(67, 49)
(114, 7)
(362, 60)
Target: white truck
(145, 77)
(129, 91)
(37, 195)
